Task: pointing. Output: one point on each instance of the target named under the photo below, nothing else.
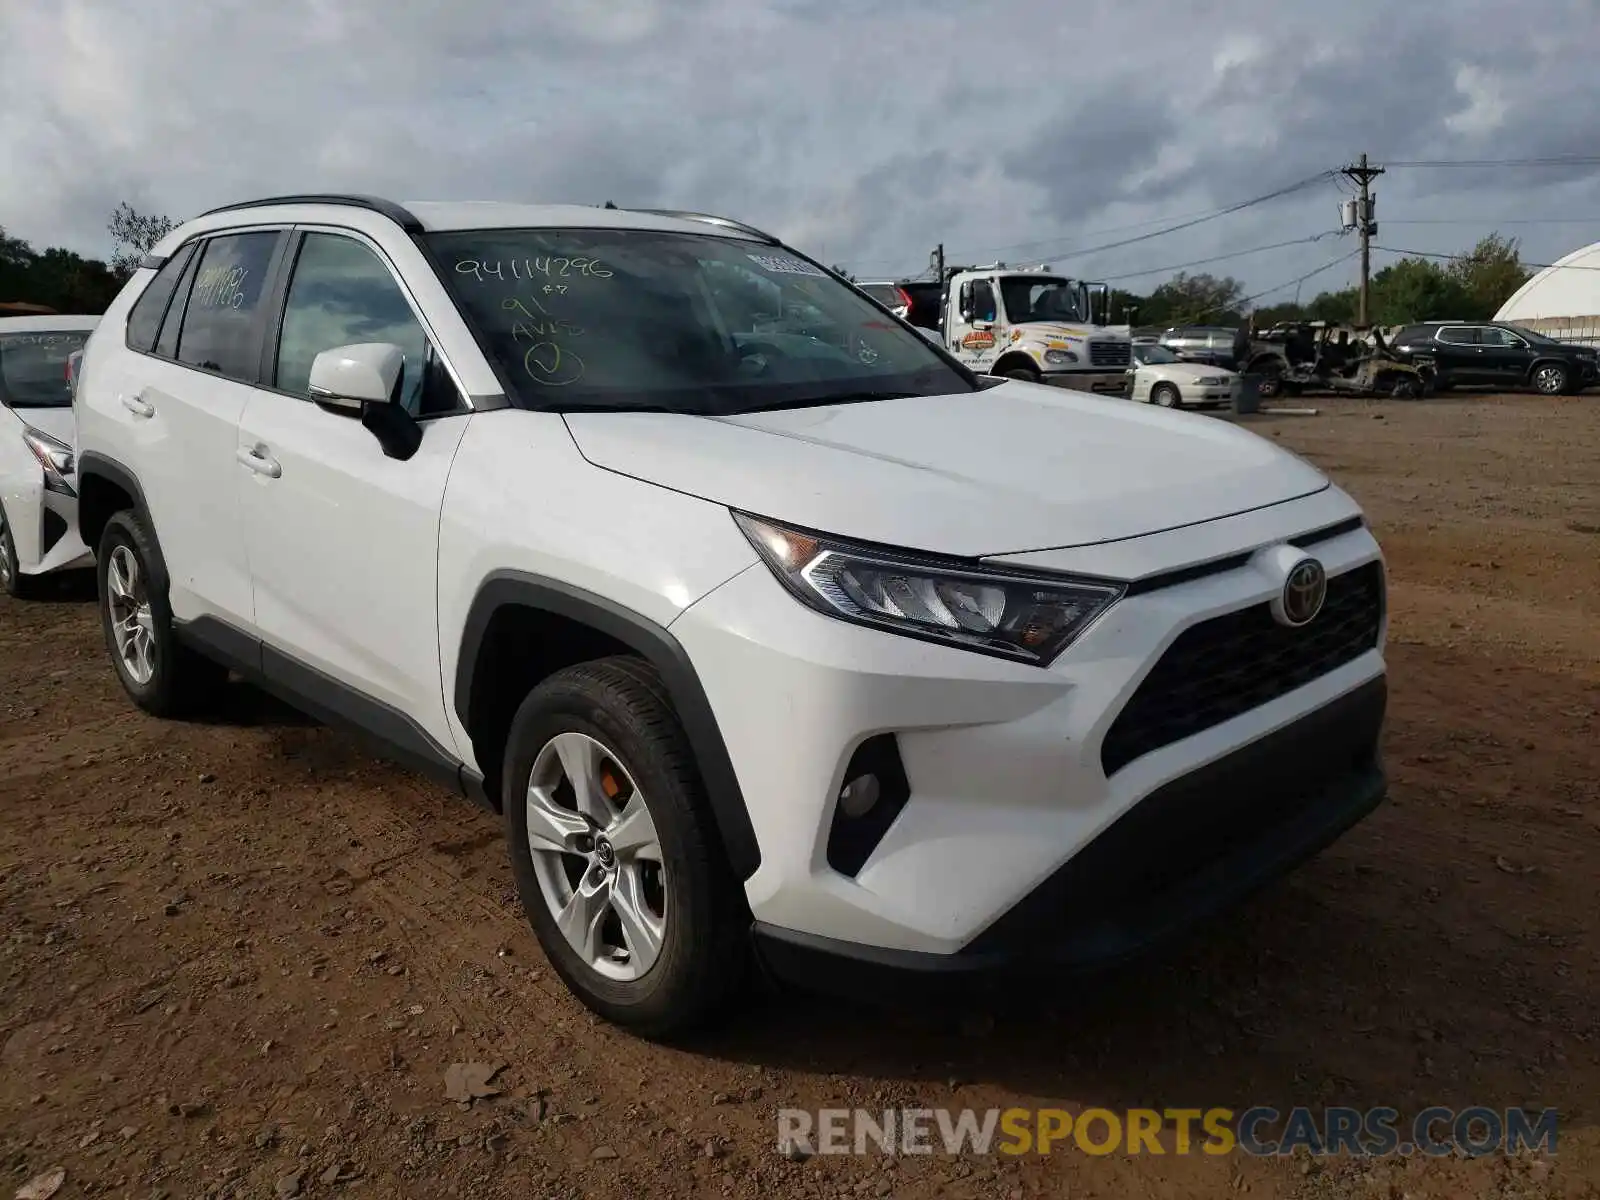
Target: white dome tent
(1562, 301)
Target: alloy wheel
(5, 553)
(132, 624)
(597, 856)
(1549, 380)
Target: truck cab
(1033, 324)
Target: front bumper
(1113, 382)
(44, 527)
(1003, 762)
(1184, 853)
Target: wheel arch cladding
(510, 638)
(105, 488)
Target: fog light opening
(859, 795)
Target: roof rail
(709, 219)
(387, 208)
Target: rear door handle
(139, 406)
(259, 461)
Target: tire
(1551, 379)
(1166, 395)
(161, 675)
(1271, 385)
(613, 718)
(1405, 387)
(12, 581)
(1026, 374)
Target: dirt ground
(239, 957)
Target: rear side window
(145, 317)
(222, 323)
(167, 339)
(1459, 335)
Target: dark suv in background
(1498, 354)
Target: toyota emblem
(1303, 593)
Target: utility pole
(1366, 223)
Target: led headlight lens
(1028, 618)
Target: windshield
(1153, 355)
(33, 367)
(885, 294)
(692, 323)
(1040, 298)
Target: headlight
(54, 456)
(1058, 358)
(1213, 380)
(1023, 617)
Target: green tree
(1415, 289)
(1195, 298)
(1337, 306)
(133, 234)
(1488, 275)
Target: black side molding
(657, 646)
(394, 734)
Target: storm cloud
(866, 134)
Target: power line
(1493, 221)
(1246, 301)
(1216, 258)
(1297, 186)
(1468, 257)
(1570, 160)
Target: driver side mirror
(364, 379)
(354, 376)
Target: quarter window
(145, 316)
(343, 294)
(222, 325)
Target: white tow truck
(1031, 323)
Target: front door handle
(259, 461)
(139, 406)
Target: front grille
(1228, 665)
(1109, 354)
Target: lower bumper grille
(1228, 665)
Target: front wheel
(12, 581)
(160, 674)
(1026, 374)
(615, 854)
(1550, 379)
(1166, 395)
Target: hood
(1052, 329)
(1013, 468)
(57, 422)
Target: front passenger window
(341, 294)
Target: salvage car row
(779, 635)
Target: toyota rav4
(777, 636)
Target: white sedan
(1161, 377)
(38, 485)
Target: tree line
(1469, 287)
(66, 282)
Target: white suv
(777, 636)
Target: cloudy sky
(864, 132)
